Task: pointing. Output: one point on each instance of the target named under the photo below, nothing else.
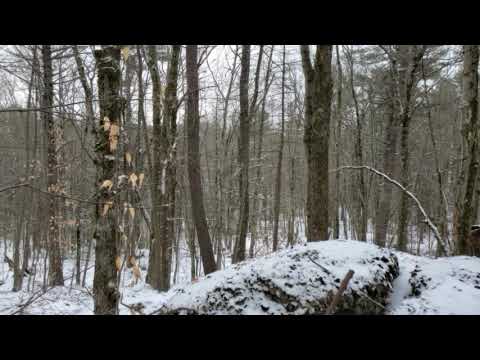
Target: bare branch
(427, 219)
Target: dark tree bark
(410, 57)
(243, 157)
(391, 139)
(338, 204)
(278, 180)
(261, 126)
(159, 226)
(360, 195)
(89, 124)
(55, 268)
(193, 154)
(318, 99)
(106, 294)
(170, 121)
(164, 171)
(471, 133)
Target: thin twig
(320, 266)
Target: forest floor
(424, 285)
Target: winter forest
(239, 179)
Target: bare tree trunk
(410, 58)
(443, 204)
(391, 136)
(90, 123)
(318, 98)
(170, 122)
(278, 180)
(338, 204)
(471, 133)
(361, 195)
(158, 185)
(163, 179)
(106, 294)
(243, 158)
(261, 119)
(55, 268)
(193, 153)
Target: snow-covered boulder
(299, 280)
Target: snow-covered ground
(443, 286)
(72, 299)
(424, 286)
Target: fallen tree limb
(426, 220)
(341, 290)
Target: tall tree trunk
(170, 123)
(338, 113)
(89, 124)
(258, 162)
(106, 294)
(471, 133)
(410, 58)
(243, 158)
(278, 180)
(55, 268)
(318, 98)
(360, 197)
(391, 136)
(158, 254)
(193, 154)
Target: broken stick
(338, 295)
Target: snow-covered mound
(443, 286)
(300, 280)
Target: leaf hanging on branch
(113, 136)
(107, 184)
(118, 263)
(141, 176)
(128, 158)
(131, 211)
(133, 180)
(107, 207)
(114, 130)
(125, 52)
(106, 123)
(113, 144)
